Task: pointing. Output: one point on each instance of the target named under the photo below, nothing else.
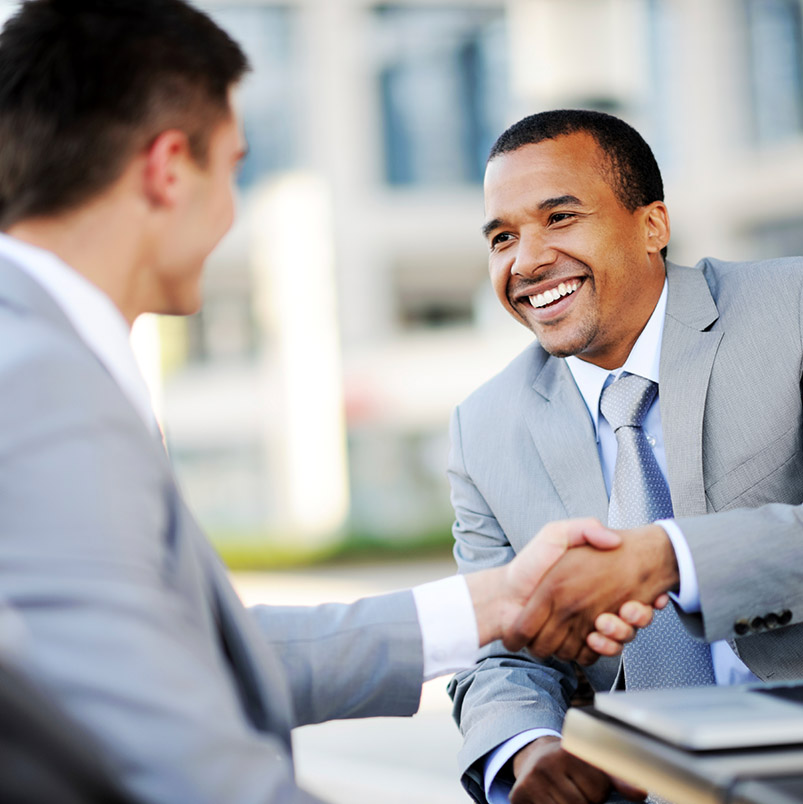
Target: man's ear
(166, 160)
(656, 221)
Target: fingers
(534, 614)
(546, 773)
(552, 541)
(588, 656)
(561, 590)
(660, 601)
(632, 613)
(588, 531)
(602, 645)
(612, 632)
(630, 792)
(611, 635)
(572, 643)
(616, 629)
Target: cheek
(499, 273)
(225, 209)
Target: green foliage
(266, 551)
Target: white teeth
(549, 296)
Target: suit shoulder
(36, 343)
(48, 372)
(723, 273)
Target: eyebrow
(559, 201)
(488, 227)
(547, 203)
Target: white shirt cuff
(497, 791)
(688, 596)
(449, 632)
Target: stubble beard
(562, 346)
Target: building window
(269, 94)
(776, 68)
(442, 79)
(433, 294)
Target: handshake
(577, 591)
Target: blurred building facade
(349, 309)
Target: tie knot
(625, 402)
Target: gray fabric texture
(524, 453)
(133, 624)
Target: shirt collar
(644, 360)
(91, 312)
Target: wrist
(491, 607)
(659, 563)
(521, 759)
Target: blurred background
(306, 407)
(348, 311)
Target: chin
(180, 307)
(188, 309)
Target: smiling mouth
(540, 300)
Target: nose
(532, 254)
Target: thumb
(555, 538)
(591, 531)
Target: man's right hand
(585, 583)
(544, 772)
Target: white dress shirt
(91, 312)
(644, 360)
(445, 611)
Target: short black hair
(633, 173)
(86, 84)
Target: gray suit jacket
(524, 453)
(133, 625)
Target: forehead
(569, 165)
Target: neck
(100, 241)
(615, 355)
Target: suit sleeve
(769, 591)
(87, 560)
(344, 661)
(506, 693)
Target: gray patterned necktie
(664, 654)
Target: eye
(561, 217)
(499, 239)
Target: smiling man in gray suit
(118, 150)
(577, 231)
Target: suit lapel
(563, 434)
(687, 356)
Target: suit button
(741, 627)
(758, 624)
(785, 617)
(772, 620)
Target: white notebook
(710, 718)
